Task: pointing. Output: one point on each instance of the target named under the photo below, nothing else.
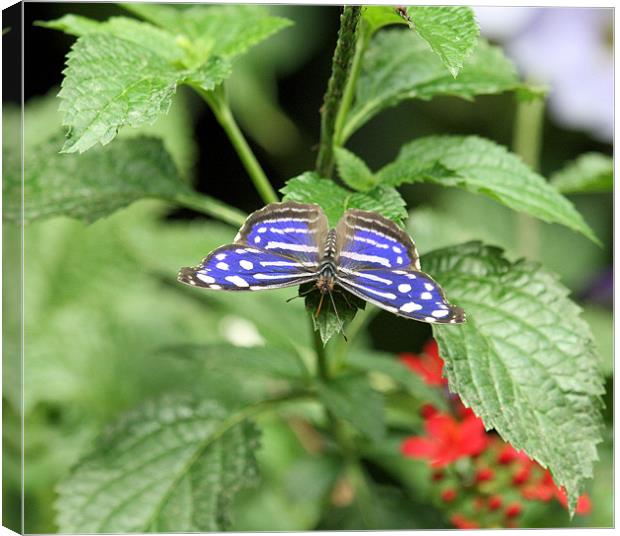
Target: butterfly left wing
(277, 246)
(240, 267)
(407, 293)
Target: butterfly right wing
(277, 246)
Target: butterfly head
(325, 282)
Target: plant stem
(341, 63)
(322, 367)
(212, 207)
(217, 102)
(527, 139)
(363, 38)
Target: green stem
(322, 367)
(223, 114)
(341, 63)
(363, 38)
(527, 140)
(212, 207)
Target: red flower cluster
(488, 486)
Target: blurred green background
(101, 300)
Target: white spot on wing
(404, 288)
(426, 296)
(205, 278)
(428, 286)
(366, 275)
(275, 276)
(247, 265)
(262, 230)
(257, 239)
(237, 281)
(222, 266)
(409, 307)
(440, 313)
(399, 260)
(291, 247)
(366, 258)
(220, 256)
(396, 249)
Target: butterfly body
(289, 244)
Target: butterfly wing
(290, 229)
(411, 294)
(277, 246)
(378, 262)
(367, 240)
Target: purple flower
(570, 50)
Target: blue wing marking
(368, 240)
(240, 267)
(410, 294)
(291, 229)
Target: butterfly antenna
(301, 294)
(338, 318)
(318, 309)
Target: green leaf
(226, 31)
(310, 188)
(353, 170)
(376, 17)
(259, 360)
(524, 361)
(172, 465)
(328, 323)
(142, 34)
(483, 167)
(92, 185)
(451, 32)
(591, 172)
(399, 65)
(111, 82)
(352, 399)
(387, 364)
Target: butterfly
(366, 254)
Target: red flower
(543, 490)
(461, 522)
(427, 365)
(485, 474)
(448, 495)
(495, 502)
(513, 510)
(447, 440)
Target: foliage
(145, 400)
(591, 172)
(528, 377)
